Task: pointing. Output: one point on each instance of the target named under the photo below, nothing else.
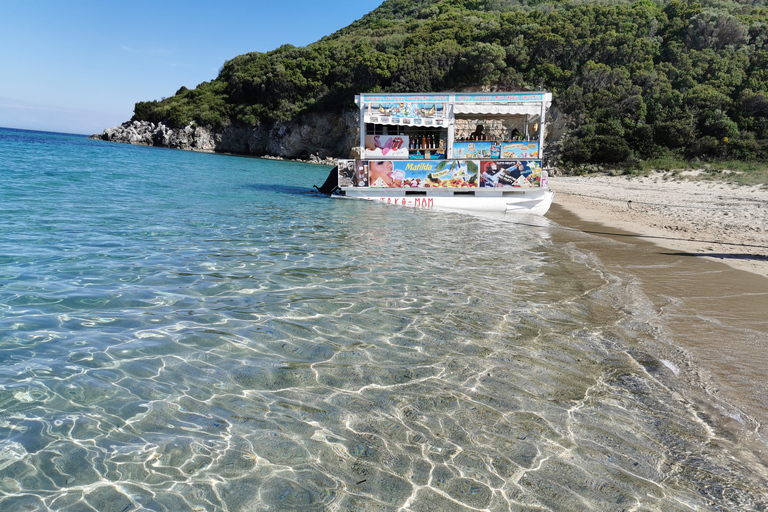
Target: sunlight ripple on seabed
(364, 391)
(336, 356)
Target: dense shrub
(635, 79)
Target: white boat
(472, 151)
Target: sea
(186, 331)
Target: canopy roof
(495, 109)
(439, 109)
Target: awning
(495, 109)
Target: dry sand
(714, 220)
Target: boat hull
(533, 200)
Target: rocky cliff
(316, 137)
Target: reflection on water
(341, 356)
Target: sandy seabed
(714, 220)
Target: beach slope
(705, 218)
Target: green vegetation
(637, 81)
(732, 171)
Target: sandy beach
(709, 219)
(674, 238)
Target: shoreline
(694, 248)
(717, 221)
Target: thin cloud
(6, 103)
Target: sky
(80, 66)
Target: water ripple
(260, 349)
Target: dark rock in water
(316, 138)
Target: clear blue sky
(80, 66)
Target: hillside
(632, 80)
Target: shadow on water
(277, 188)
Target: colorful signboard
(490, 97)
(353, 173)
(408, 174)
(382, 174)
(412, 110)
(404, 98)
(478, 149)
(471, 97)
(346, 172)
(407, 110)
(519, 150)
(482, 149)
(409, 121)
(386, 146)
(443, 173)
(519, 173)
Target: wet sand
(706, 219)
(710, 310)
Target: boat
(469, 151)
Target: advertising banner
(382, 174)
(346, 172)
(353, 173)
(443, 173)
(362, 174)
(386, 146)
(477, 149)
(501, 173)
(480, 97)
(409, 174)
(378, 98)
(406, 113)
(519, 150)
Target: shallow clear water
(183, 331)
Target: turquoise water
(184, 331)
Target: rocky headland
(317, 137)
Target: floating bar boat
(475, 151)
